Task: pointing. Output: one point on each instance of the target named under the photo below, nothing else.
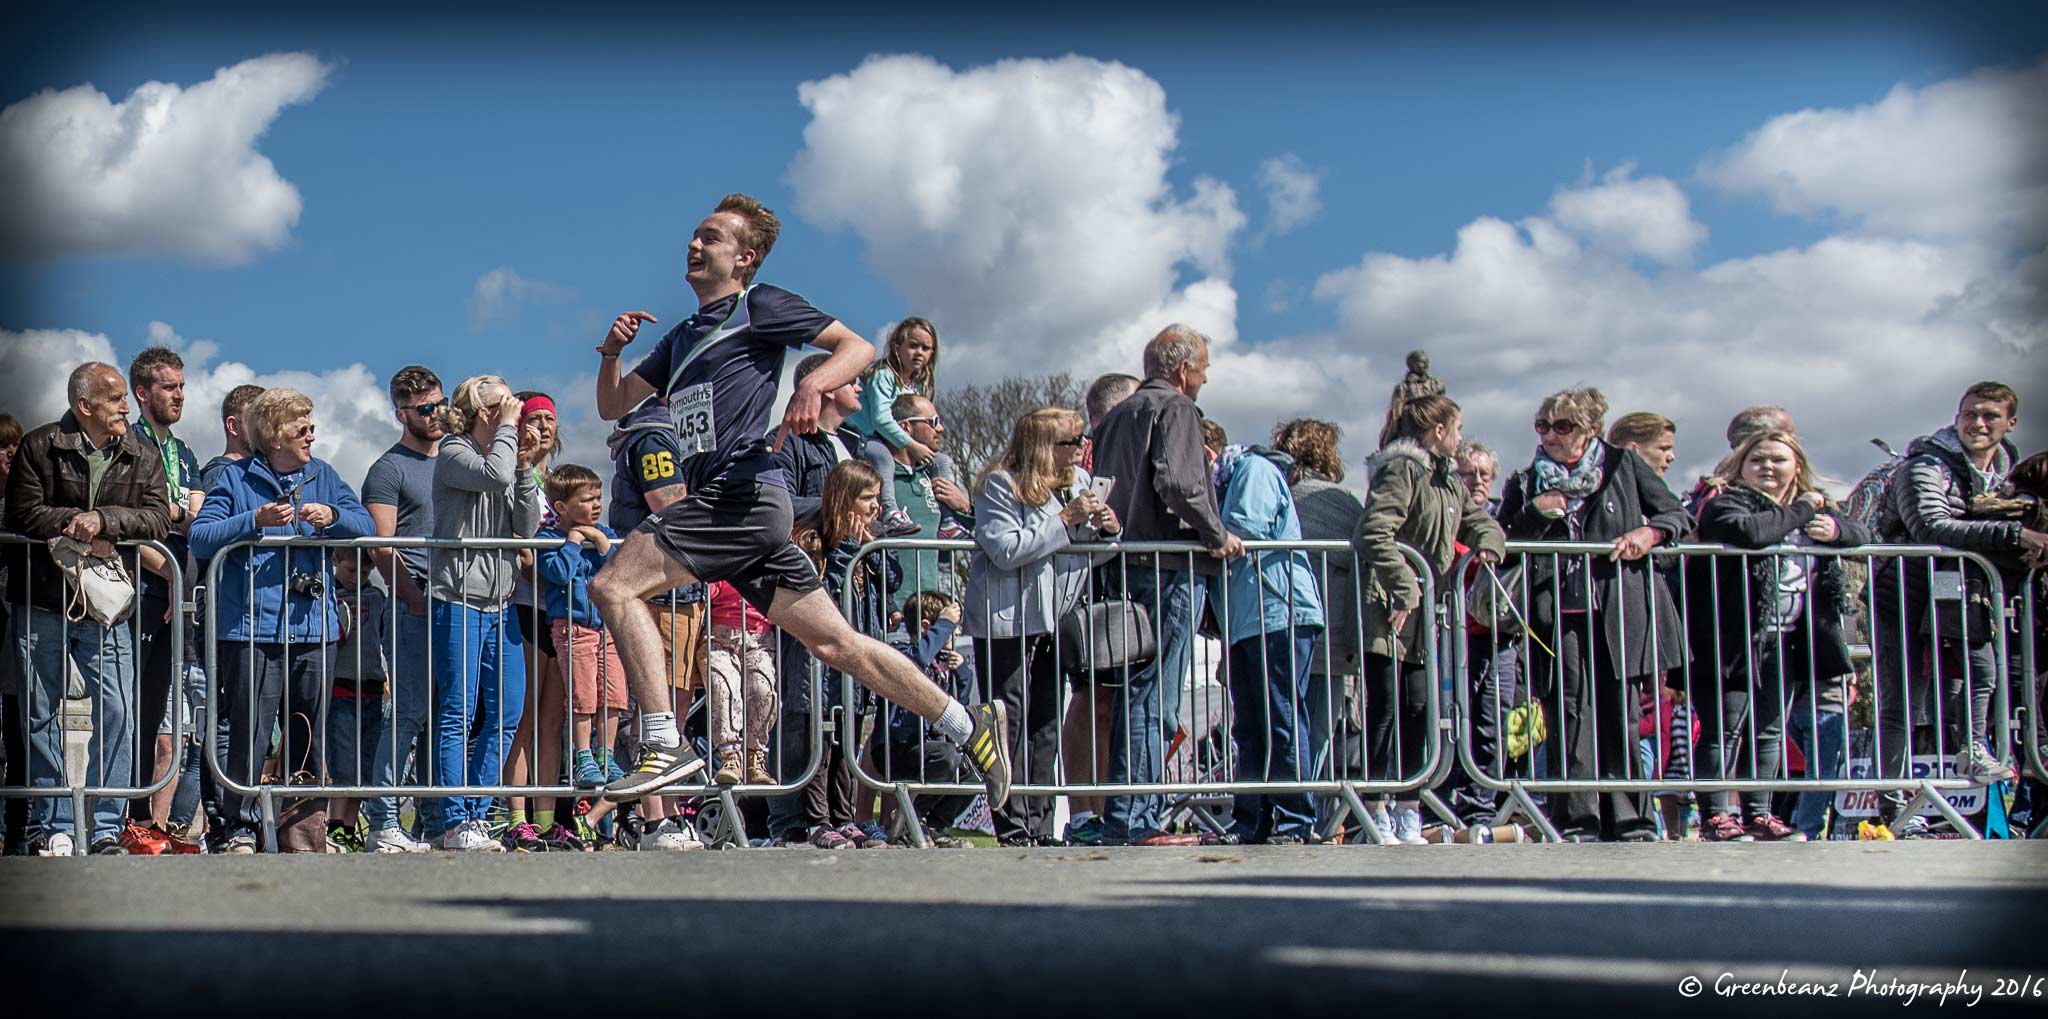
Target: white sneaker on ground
(670, 837)
(1408, 826)
(1978, 766)
(242, 845)
(470, 837)
(393, 840)
(1384, 821)
(58, 844)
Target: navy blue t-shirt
(647, 461)
(723, 401)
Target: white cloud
(166, 171)
(1646, 216)
(1956, 159)
(1293, 193)
(498, 292)
(350, 404)
(35, 366)
(1023, 206)
(1847, 333)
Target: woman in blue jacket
(276, 618)
(1272, 620)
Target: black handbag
(1962, 608)
(1107, 636)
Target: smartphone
(1101, 487)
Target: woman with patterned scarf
(1602, 625)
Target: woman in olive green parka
(1416, 500)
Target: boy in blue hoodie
(598, 680)
(911, 752)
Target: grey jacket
(1152, 445)
(1020, 582)
(1331, 511)
(481, 494)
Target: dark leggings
(1396, 703)
(1024, 674)
(1600, 716)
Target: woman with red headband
(485, 488)
(536, 754)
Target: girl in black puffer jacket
(1777, 623)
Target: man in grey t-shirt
(399, 493)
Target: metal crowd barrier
(1202, 769)
(2031, 676)
(1939, 683)
(27, 691)
(241, 778)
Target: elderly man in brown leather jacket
(1151, 443)
(88, 477)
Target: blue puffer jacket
(258, 575)
(1267, 591)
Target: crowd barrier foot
(1930, 795)
(906, 808)
(1373, 834)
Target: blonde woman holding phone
(1029, 505)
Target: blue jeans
(410, 677)
(105, 658)
(1151, 703)
(1823, 762)
(351, 758)
(480, 668)
(1269, 723)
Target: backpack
(1866, 500)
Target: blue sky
(580, 154)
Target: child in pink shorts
(742, 688)
(597, 694)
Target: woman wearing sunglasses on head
(1592, 640)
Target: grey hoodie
(481, 494)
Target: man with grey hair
(1494, 667)
(1478, 467)
(1108, 390)
(1761, 418)
(89, 477)
(1151, 443)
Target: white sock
(660, 729)
(955, 724)
(1080, 816)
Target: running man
(718, 371)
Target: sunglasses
(934, 419)
(302, 431)
(427, 409)
(1559, 428)
(1077, 440)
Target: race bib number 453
(690, 411)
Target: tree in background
(978, 419)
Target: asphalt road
(1260, 931)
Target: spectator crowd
(477, 656)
